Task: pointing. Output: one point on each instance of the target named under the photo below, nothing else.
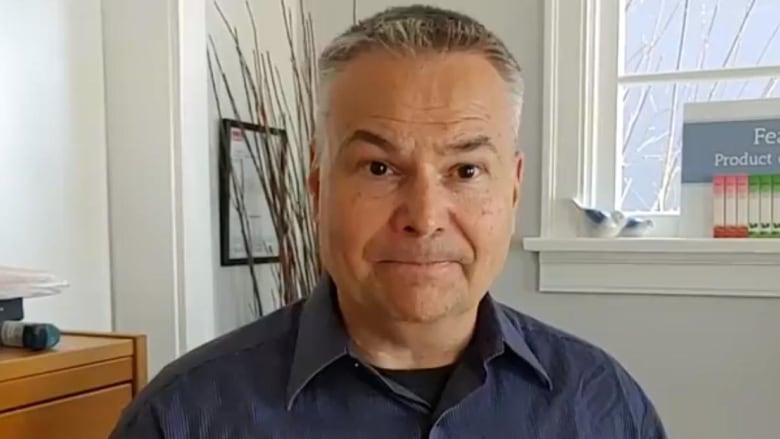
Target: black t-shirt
(428, 384)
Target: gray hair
(411, 30)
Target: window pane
(670, 35)
(652, 131)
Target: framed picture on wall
(245, 218)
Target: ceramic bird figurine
(602, 223)
(636, 227)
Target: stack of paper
(25, 283)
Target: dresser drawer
(48, 386)
(86, 416)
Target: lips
(418, 266)
(424, 255)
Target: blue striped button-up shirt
(292, 374)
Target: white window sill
(674, 266)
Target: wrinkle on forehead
(443, 97)
(471, 105)
(404, 130)
(418, 121)
(437, 116)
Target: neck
(405, 345)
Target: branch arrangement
(281, 162)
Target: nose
(424, 208)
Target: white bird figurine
(601, 223)
(636, 227)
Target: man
(415, 182)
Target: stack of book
(746, 206)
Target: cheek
(354, 218)
(485, 218)
(485, 212)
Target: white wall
(712, 365)
(53, 201)
(105, 171)
(234, 286)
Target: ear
(313, 180)
(518, 179)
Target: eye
(378, 168)
(467, 171)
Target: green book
(765, 189)
(776, 206)
(754, 206)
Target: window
(679, 51)
(618, 74)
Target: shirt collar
(322, 339)
(495, 330)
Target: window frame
(576, 33)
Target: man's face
(416, 191)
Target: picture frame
(235, 157)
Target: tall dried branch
(760, 59)
(646, 50)
(632, 121)
(705, 45)
(668, 160)
(239, 203)
(278, 154)
(734, 46)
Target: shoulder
(268, 333)
(581, 371)
(552, 345)
(270, 338)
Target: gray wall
(712, 365)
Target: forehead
(415, 94)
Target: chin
(422, 303)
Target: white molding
(196, 255)
(567, 103)
(687, 246)
(159, 174)
(698, 267)
(700, 75)
(580, 84)
(141, 146)
(607, 63)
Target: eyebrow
(468, 145)
(472, 144)
(372, 138)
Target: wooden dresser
(74, 391)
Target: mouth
(419, 267)
(419, 263)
